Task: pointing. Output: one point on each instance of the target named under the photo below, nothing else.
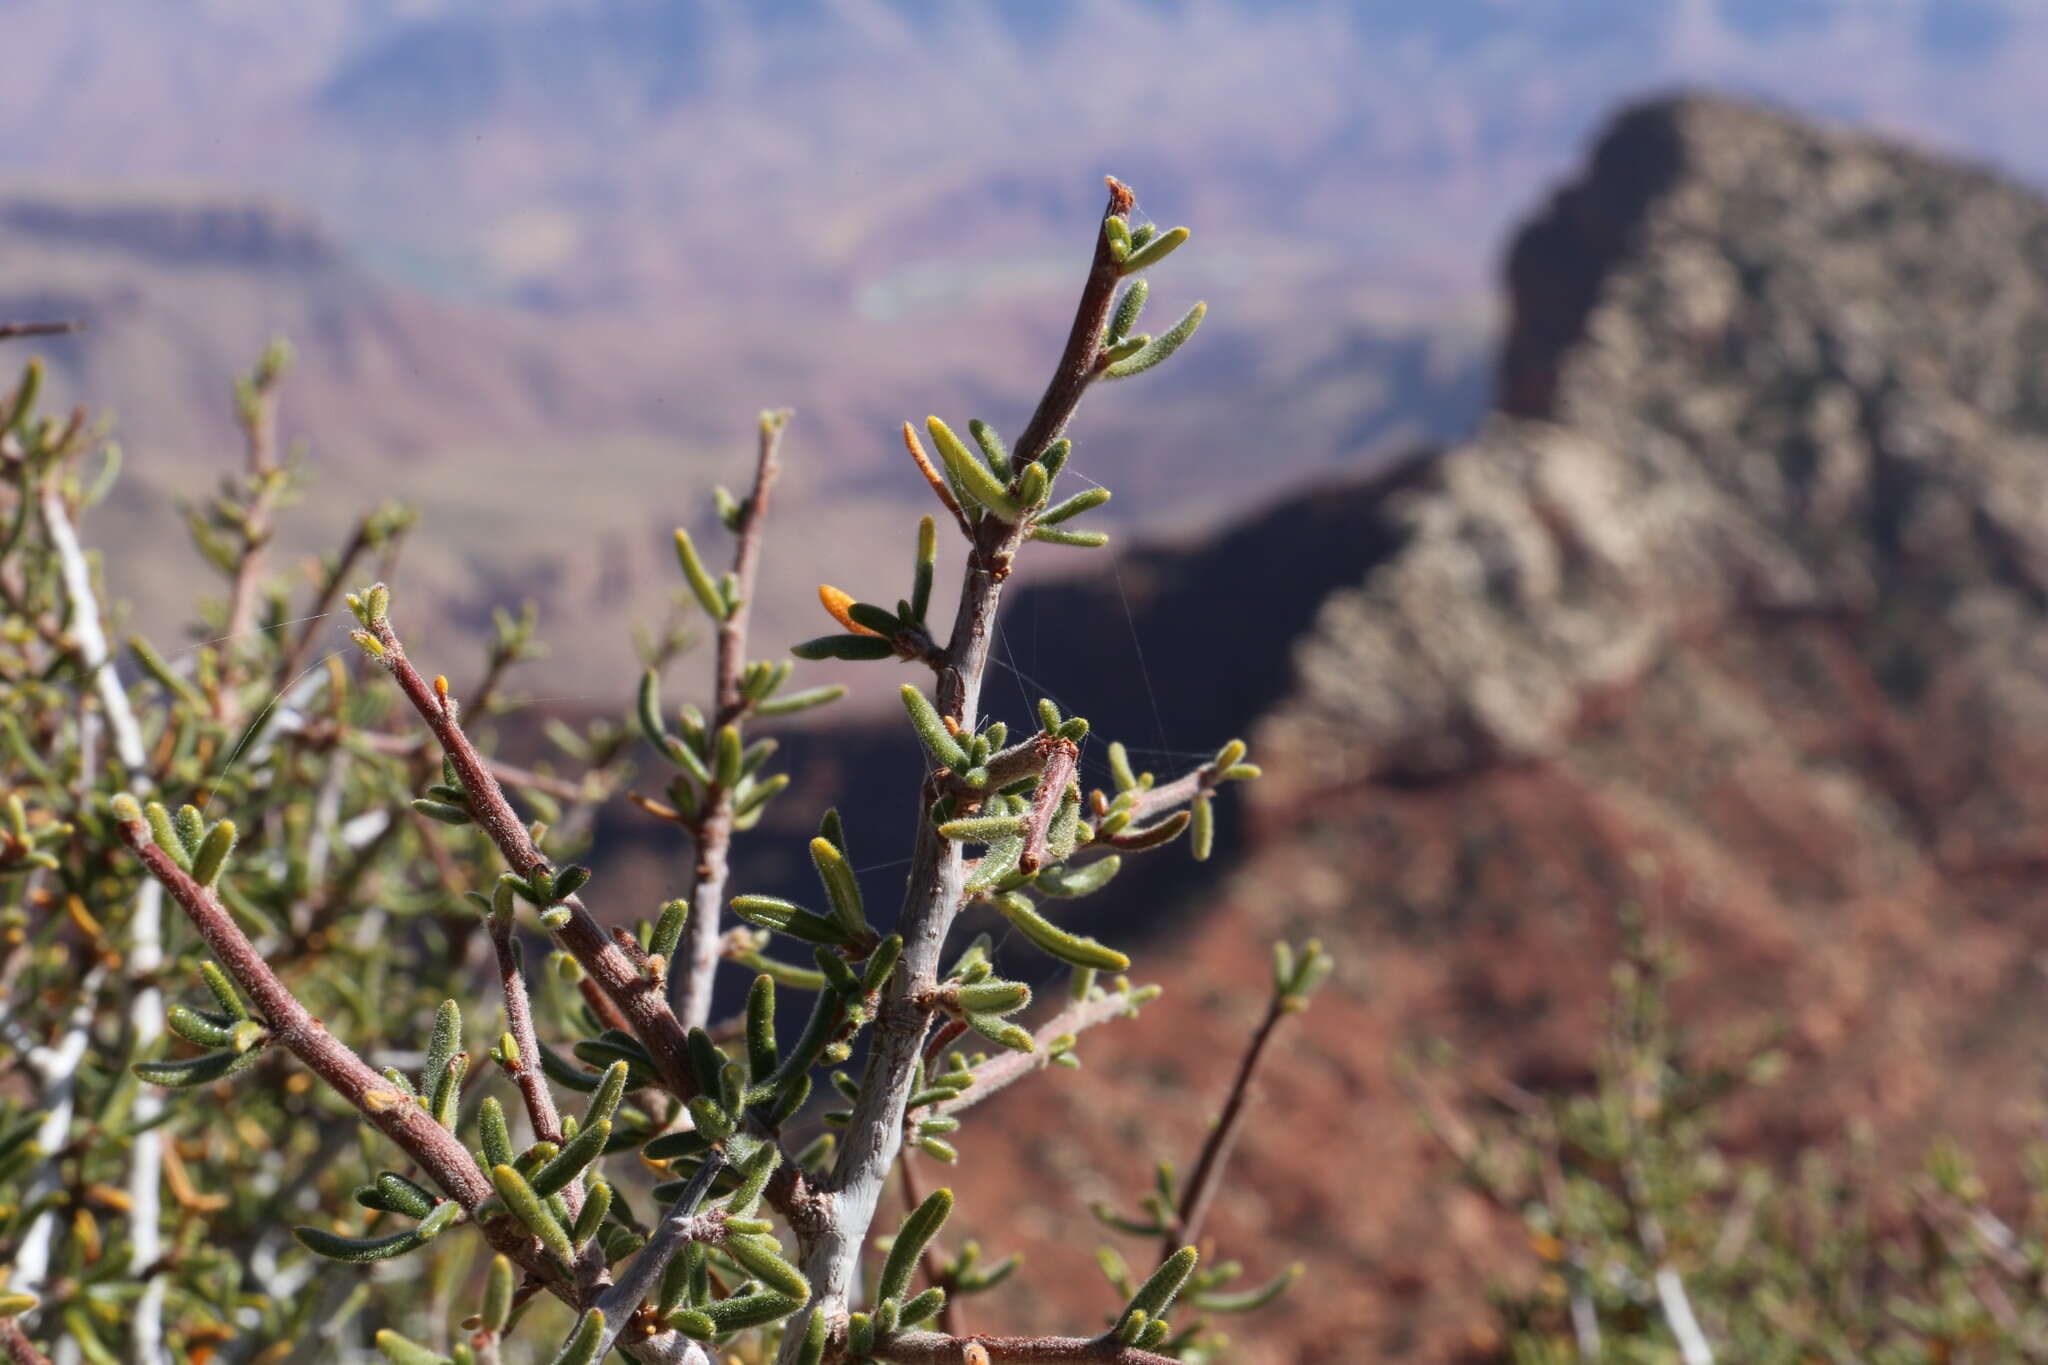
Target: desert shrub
(314, 1038)
(1654, 1241)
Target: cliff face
(1735, 610)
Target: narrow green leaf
(1160, 347)
(400, 1350)
(611, 1088)
(154, 665)
(499, 1288)
(992, 448)
(1085, 500)
(1247, 1300)
(1154, 251)
(582, 1346)
(877, 619)
(925, 719)
(772, 912)
(191, 827)
(751, 1310)
(972, 473)
(597, 1201)
(1002, 1032)
(800, 701)
(1151, 836)
(494, 1133)
(527, 1207)
(441, 811)
(1156, 1295)
(812, 1352)
(1125, 319)
(668, 929)
(730, 757)
(441, 1045)
(358, 1249)
(559, 1070)
(166, 835)
(1084, 540)
(701, 585)
(196, 1026)
(761, 1053)
(983, 829)
(844, 647)
(1070, 883)
(881, 962)
(841, 886)
(762, 1257)
(201, 1070)
(1074, 949)
(994, 997)
(401, 1195)
(919, 1227)
(922, 568)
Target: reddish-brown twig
(20, 1350)
(437, 1151)
(9, 330)
(1208, 1173)
(533, 1084)
(636, 994)
(1062, 756)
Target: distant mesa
(240, 232)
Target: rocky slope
(1735, 610)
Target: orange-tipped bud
(836, 604)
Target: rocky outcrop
(1755, 367)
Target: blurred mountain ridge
(600, 233)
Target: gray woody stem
(145, 932)
(1006, 1068)
(875, 1134)
(711, 832)
(678, 1226)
